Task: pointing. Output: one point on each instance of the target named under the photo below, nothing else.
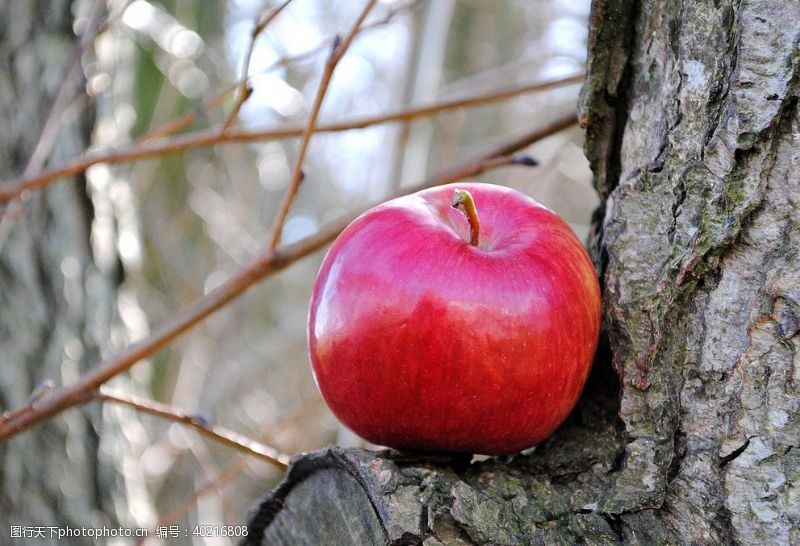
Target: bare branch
(216, 433)
(327, 43)
(38, 393)
(337, 52)
(14, 188)
(53, 118)
(262, 266)
(206, 106)
(244, 87)
(232, 470)
(189, 117)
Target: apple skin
(420, 341)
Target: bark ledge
(339, 496)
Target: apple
(462, 318)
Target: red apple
(421, 340)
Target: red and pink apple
(439, 323)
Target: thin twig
(186, 119)
(328, 42)
(202, 109)
(216, 433)
(245, 90)
(53, 119)
(267, 263)
(38, 393)
(337, 52)
(231, 471)
(13, 188)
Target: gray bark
(56, 303)
(688, 430)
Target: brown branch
(216, 433)
(337, 52)
(244, 87)
(265, 264)
(13, 188)
(38, 393)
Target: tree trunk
(57, 299)
(688, 429)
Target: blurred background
(181, 224)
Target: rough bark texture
(688, 431)
(56, 304)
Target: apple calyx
(463, 201)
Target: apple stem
(463, 201)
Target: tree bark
(693, 133)
(688, 429)
(57, 299)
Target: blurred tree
(59, 275)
